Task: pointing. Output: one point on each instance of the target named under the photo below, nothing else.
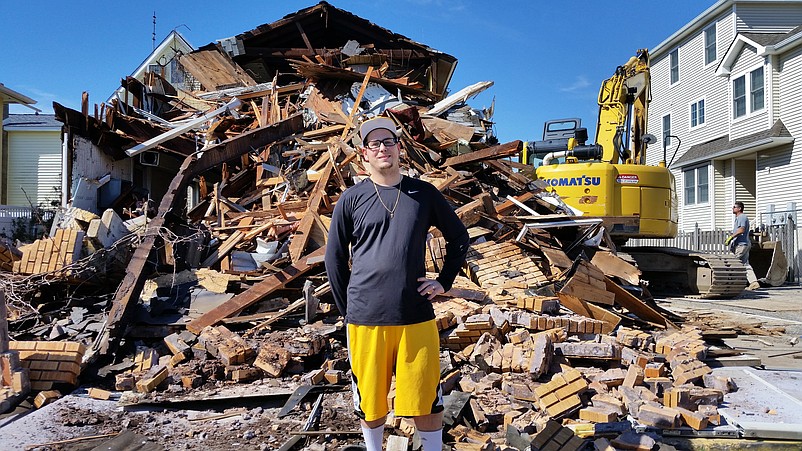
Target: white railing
(708, 241)
(712, 241)
(10, 216)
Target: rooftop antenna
(153, 36)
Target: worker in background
(740, 244)
(385, 295)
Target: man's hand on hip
(430, 288)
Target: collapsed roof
(325, 34)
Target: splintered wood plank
(627, 300)
(228, 245)
(588, 292)
(509, 205)
(491, 153)
(358, 99)
(302, 235)
(131, 286)
(258, 291)
(613, 265)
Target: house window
(674, 60)
(696, 186)
(698, 113)
(710, 44)
(755, 101)
(666, 130)
(756, 97)
(739, 96)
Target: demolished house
(190, 261)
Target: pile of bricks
(50, 362)
(504, 269)
(51, 254)
(588, 284)
(555, 437)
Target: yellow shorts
(412, 353)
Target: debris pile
(216, 277)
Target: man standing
(385, 295)
(740, 244)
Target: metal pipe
(554, 155)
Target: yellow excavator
(611, 180)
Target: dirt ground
(238, 417)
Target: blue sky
(547, 58)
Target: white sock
(431, 440)
(373, 437)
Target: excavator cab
(557, 136)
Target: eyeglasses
(376, 144)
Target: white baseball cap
(375, 124)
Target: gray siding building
(726, 93)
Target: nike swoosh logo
(412, 192)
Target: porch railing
(712, 241)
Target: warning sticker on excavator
(627, 179)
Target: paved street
(770, 308)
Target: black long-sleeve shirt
(388, 254)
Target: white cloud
(581, 82)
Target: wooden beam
(245, 142)
(131, 286)
(509, 205)
(305, 38)
(491, 153)
(257, 292)
(301, 236)
(515, 178)
(627, 300)
(358, 100)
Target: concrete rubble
(205, 298)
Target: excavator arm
(623, 109)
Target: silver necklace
(397, 198)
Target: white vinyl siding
(769, 177)
(698, 80)
(768, 17)
(34, 168)
(723, 192)
(746, 185)
(779, 175)
(743, 73)
(710, 44)
(778, 180)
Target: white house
(163, 62)
(726, 101)
(33, 144)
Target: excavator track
(675, 271)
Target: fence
(11, 225)
(707, 241)
(712, 241)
